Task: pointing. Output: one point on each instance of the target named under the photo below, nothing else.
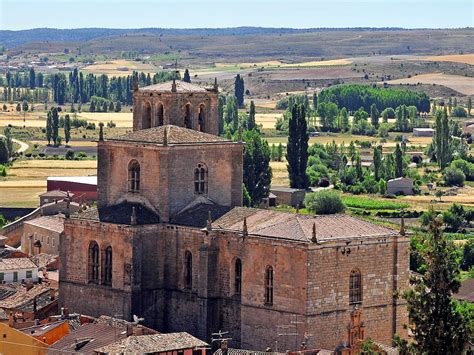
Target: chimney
(314, 239)
(245, 229)
(402, 226)
(129, 330)
(11, 319)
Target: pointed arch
(93, 262)
(200, 179)
(160, 114)
(133, 176)
(146, 123)
(355, 287)
(188, 116)
(107, 266)
(202, 118)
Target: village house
(44, 230)
(171, 243)
(400, 186)
(18, 270)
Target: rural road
(23, 145)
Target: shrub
(324, 202)
(458, 111)
(454, 176)
(69, 154)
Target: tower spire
(314, 239)
(173, 86)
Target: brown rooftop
(56, 193)
(181, 87)
(52, 223)
(175, 135)
(16, 264)
(298, 227)
(155, 343)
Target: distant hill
(12, 39)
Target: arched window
(160, 115)
(188, 269)
(238, 277)
(355, 287)
(93, 262)
(269, 285)
(202, 117)
(133, 176)
(107, 267)
(187, 116)
(200, 179)
(147, 116)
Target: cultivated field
(119, 67)
(462, 84)
(455, 58)
(267, 120)
(280, 173)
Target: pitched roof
(231, 351)
(87, 180)
(298, 227)
(175, 135)
(155, 343)
(466, 291)
(16, 264)
(42, 329)
(18, 297)
(52, 223)
(56, 193)
(90, 336)
(197, 215)
(120, 214)
(181, 87)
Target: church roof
(298, 227)
(119, 214)
(181, 87)
(197, 215)
(175, 135)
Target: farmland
(461, 84)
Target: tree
(18, 107)
(4, 154)
(469, 106)
(442, 139)
(49, 127)
(232, 113)
(387, 113)
(454, 176)
(378, 162)
(220, 112)
(344, 120)
(186, 76)
(7, 132)
(297, 148)
(374, 115)
(32, 78)
(458, 111)
(67, 128)
(251, 118)
(398, 161)
(315, 102)
(24, 107)
(328, 113)
(55, 125)
(382, 187)
(324, 202)
(118, 106)
(439, 323)
(239, 90)
(257, 170)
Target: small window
(134, 176)
(238, 277)
(53, 243)
(355, 287)
(93, 262)
(107, 267)
(29, 274)
(47, 240)
(200, 179)
(269, 286)
(188, 274)
(15, 276)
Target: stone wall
(49, 240)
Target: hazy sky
(23, 14)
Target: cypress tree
(374, 115)
(469, 106)
(398, 161)
(378, 162)
(297, 148)
(239, 90)
(186, 76)
(67, 128)
(251, 118)
(55, 125)
(49, 127)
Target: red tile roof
(181, 87)
(297, 227)
(176, 135)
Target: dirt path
(23, 145)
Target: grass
(369, 203)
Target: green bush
(324, 202)
(69, 154)
(458, 111)
(454, 177)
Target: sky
(27, 14)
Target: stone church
(170, 242)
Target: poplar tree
(469, 106)
(239, 90)
(55, 125)
(398, 161)
(378, 162)
(374, 115)
(297, 148)
(344, 120)
(49, 127)
(67, 128)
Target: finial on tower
(402, 226)
(173, 86)
(314, 239)
(216, 87)
(209, 222)
(133, 217)
(101, 131)
(245, 230)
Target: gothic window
(200, 179)
(202, 117)
(238, 277)
(107, 267)
(188, 272)
(355, 287)
(160, 115)
(133, 176)
(187, 116)
(147, 116)
(93, 262)
(269, 285)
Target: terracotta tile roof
(181, 87)
(297, 227)
(56, 193)
(19, 298)
(231, 351)
(156, 343)
(16, 264)
(466, 291)
(42, 329)
(52, 223)
(86, 338)
(119, 214)
(197, 215)
(176, 135)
